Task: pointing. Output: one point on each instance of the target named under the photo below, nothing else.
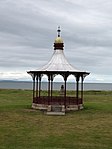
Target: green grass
(24, 128)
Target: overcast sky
(28, 30)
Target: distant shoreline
(7, 84)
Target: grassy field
(24, 128)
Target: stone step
(55, 113)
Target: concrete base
(56, 109)
(74, 107)
(39, 106)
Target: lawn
(24, 128)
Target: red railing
(57, 100)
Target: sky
(28, 29)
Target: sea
(56, 85)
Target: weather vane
(58, 31)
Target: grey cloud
(28, 29)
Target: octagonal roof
(58, 61)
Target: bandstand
(58, 65)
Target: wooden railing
(57, 100)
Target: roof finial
(58, 31)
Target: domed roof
(58, 40)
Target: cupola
(58, 44)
